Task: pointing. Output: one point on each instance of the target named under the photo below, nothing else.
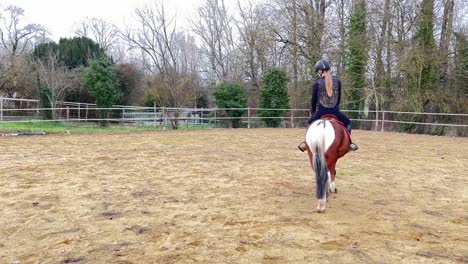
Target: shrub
(231, 95)
(274, 96)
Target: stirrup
(352, 147)
(302, 147)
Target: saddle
(335, 119)
(303, 146)
(331, 117)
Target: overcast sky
(59, 16)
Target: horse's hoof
(321, 209)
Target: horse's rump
(339, 142)
(319, 137)
(327, 141)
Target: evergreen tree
(357, 56)
(101, 81)
(43, 50)
(231, 95)
(73, 52)
(78, 51)
(274, 96)
(44, 101)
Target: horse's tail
(317, 146)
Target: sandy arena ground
(230, 196)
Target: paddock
(230, 196)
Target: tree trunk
(294, 55)
(340, 60)
(379, 68)
(445, 35)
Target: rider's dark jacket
(327, 104)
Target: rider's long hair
(328, 83)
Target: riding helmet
(322, 65)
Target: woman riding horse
(327, 93)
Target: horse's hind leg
(331, 177)
(322, 204)
(332, 187)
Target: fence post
(68, 117)
(248, 117)
(383, 120)
(164, 117)
(123, 115)
(79, 112)
(1, 108)
(154, 109)
(292, 118)
(86, 113)
(201, 117)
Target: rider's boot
(302, 147)
(353, 147)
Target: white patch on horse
(329, 132)
(333, 187)
(322, 204)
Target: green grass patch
(61, 127)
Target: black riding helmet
(322, 65)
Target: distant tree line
(390, 54)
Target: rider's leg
(348, 127)
(347, 123)
(302, 146)
(312, 118)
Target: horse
(327, 140)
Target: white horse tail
(316, 140)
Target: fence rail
(27, 110)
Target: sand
(230, 196)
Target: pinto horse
(327, 141)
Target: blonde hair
(328, 83)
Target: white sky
(59, 16)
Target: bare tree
(255, 42)
(105, 34)
(342, 8)
(445, 36)
(4, 70)
(214, 27)
(303, 36)
(15, 40)
(380, 44)
(311, 25)
(99, 30)
(55, 77)
(14, 37)
(155, 37)
(378, 24)
(405, 15)
(460, 20)
(16, 80)
(168, 55)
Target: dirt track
(230, 196)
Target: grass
(61, 127)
